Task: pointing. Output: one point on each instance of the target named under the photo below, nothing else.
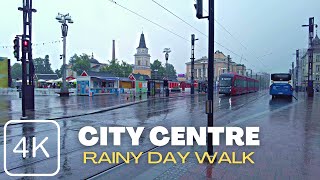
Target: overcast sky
(270, 29)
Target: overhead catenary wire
(245, 47)
(231, 51)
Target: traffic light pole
(27, 86)
(311, 24)
(228, 63)
(209, 102)
(297, 70)
(192, 63)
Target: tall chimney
(113, 50)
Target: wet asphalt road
(282, 124)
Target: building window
(139, 62)
(317, 68)
(318, 58)
(317, 78)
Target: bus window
(280, 77)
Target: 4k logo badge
(30, 145)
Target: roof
(316, 41)
(219, 55)
(93, 60)
(47, 76)
(139, 77)
(99, 74)
(125, 79)
(96, 66)
(142, 43)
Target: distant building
(303, 65)
(95, 66)
(142, 59)
(220, 65)
(140, 82)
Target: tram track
(167, 109)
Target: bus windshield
(225, 82)
(280, 77)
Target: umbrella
(41, 80)
(50, 81)
(73, 80)
(58, 80)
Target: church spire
(142, 43)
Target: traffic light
(199, 8)
(25, 45)
(311, 25)
(16, 48)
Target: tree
(59, 72)
(157, 70)
(16, 71)
(80, 63)
(162, 71)
(172, 73)
(120, 70)
(127, 68)
(42, 66)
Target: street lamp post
(310, 57)
(64, 20)
(167, 51)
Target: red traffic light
(25, 43)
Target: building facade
(220, 66)
(303, 65)
(142, 59)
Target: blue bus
(281, 85)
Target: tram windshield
(225, 82)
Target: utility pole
(27, 86)
(193, 39)
(311, 24)
(297, 70)
(209, 102)
(292, 74)
(228, 63)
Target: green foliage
(161, 70)
(16, 71)
(59, 72)
(80, 63)
(42, 66)
(120, 70)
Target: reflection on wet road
(282, 123)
